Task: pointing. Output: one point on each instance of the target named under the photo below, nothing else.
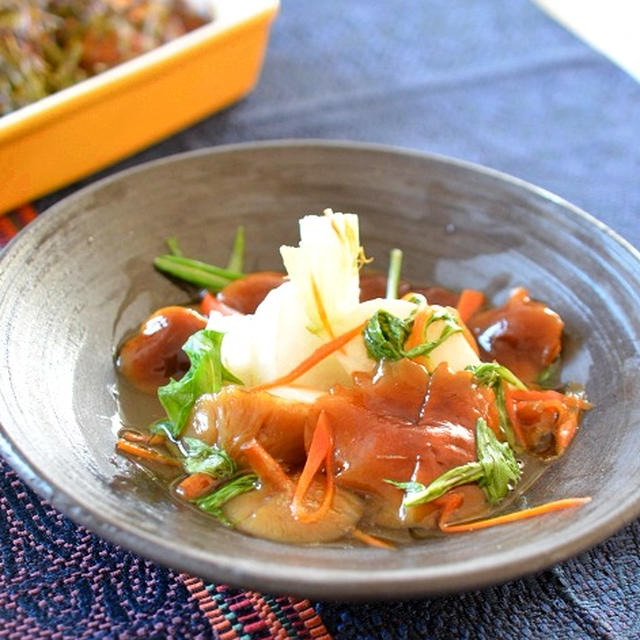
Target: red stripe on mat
(27, 212)
(254, 614)
(209, 607)
(8, 229)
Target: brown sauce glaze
(374, 285)
(523, 335)
(154, 354)
(235, 416)
(427, 429)
(438, 295)
(246, 293)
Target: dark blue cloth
(490, 81)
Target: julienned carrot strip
(135, 436)
(469, 302)
(320, 450)
(322, 312)
(317, 356)
(196, 485)
(535, 394)
(416, 336)
(448, 503)
(548, 507)
(372, 541)
(546, 395)
(267, 468)
(512, 414)
(148, 454)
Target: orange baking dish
(87, 126)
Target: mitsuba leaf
(418, 493)
(500, 469)
(549, 376)
(495, 471)
(205, 375)
(214, 502)
(494, 375)
(385, 335)
(204, 458)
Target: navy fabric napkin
(495, 82)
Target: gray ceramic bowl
(78, 278)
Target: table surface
(495, 82)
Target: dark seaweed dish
(47, 45)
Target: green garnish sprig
(494, 375)
(195, 272)
(205, 375)
(201, 457)
(202, 274)
(393, 275)
(214, 502)
(385, 335)
(496, 471)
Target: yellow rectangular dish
(87, 126)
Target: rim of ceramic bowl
(317, 582)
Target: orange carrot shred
(320, 450)
(548, 507)
(267, 468)
(448, 503)
(317, 356)
(547, 395)
(469, 302)
(135, 436)
(322, 312)
(417, 335)
(512, 415)
(196, 485)
(148, 454)
(372, 541)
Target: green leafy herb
(499, 466)
(205, 375)
(196, 272)
(549, 376)
(385, 335)
(393, 276)
(174, 247)
(494, 375)
(204, 458)
(214, 502)
(236, 259)
(494, 471)
(451, 326)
